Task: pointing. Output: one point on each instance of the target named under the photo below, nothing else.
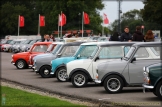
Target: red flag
(21, 21)
(105, 19)
(42, 21)
(86, 18)
(62, 19)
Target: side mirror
(134, 59)
(78, 56)
(58, 55)
(96, 58)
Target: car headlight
(147, 70)
(144, 68)
(51, 62)
(146, 74)
(35, 62)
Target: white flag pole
(58, 24)
(61, 23)
(39, 25)
(82, 22)
(103, 25)
(18, 23)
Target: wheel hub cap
(46, 72)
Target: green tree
(30, 9)
(152, 12)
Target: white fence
(23, 37)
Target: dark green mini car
(153, 79)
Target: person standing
(149, 37)
(114, 37)
(52, 38)
(138, 36)
(46, 38)
(126, 36)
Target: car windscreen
(51, 47)
(128, 55)
(87, 51)
(68, 51)
(57, 47)
(8, 41)
(40, 48)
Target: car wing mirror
(96, 58)
(59, 55)
(134, 59)
(78, 56)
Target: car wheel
(21, 64)
(45, 71)
(113, 84)
(79, 79)
(61, 74)
(158, 89)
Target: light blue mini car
(85, 51)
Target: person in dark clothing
(138, 36)
(115, 37)
(46, 38)
(126, 36)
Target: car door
(109, 53)
(143, 58)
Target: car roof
(43, 43)
(58, 43)
(144, 44)
(110, 43)
(73, 43)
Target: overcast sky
(111, 7)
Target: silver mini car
(129, 70)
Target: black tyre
(61, 74)
(45, 71)
(154, 92)
(21, 64)
(79, 79)
(113, 84)
(158, 89)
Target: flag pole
(82, 22)
(103, 25)
(58, 24)
(18, 24)
(61, 23)
(39, 25)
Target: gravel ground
(16, 86)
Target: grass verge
(17, 98)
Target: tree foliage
(30, 9)
(132, 19)
(152, 12)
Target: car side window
(126, 49)
(69, 51)
(156, 50)
(111, 52)
(142, 53)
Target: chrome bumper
(30, 66)
(145, 86)
(51, 73)
(34, 68)
(12, 62)
(97, 81)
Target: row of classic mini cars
(112, 64)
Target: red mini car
(50, 49)
(20, 60)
